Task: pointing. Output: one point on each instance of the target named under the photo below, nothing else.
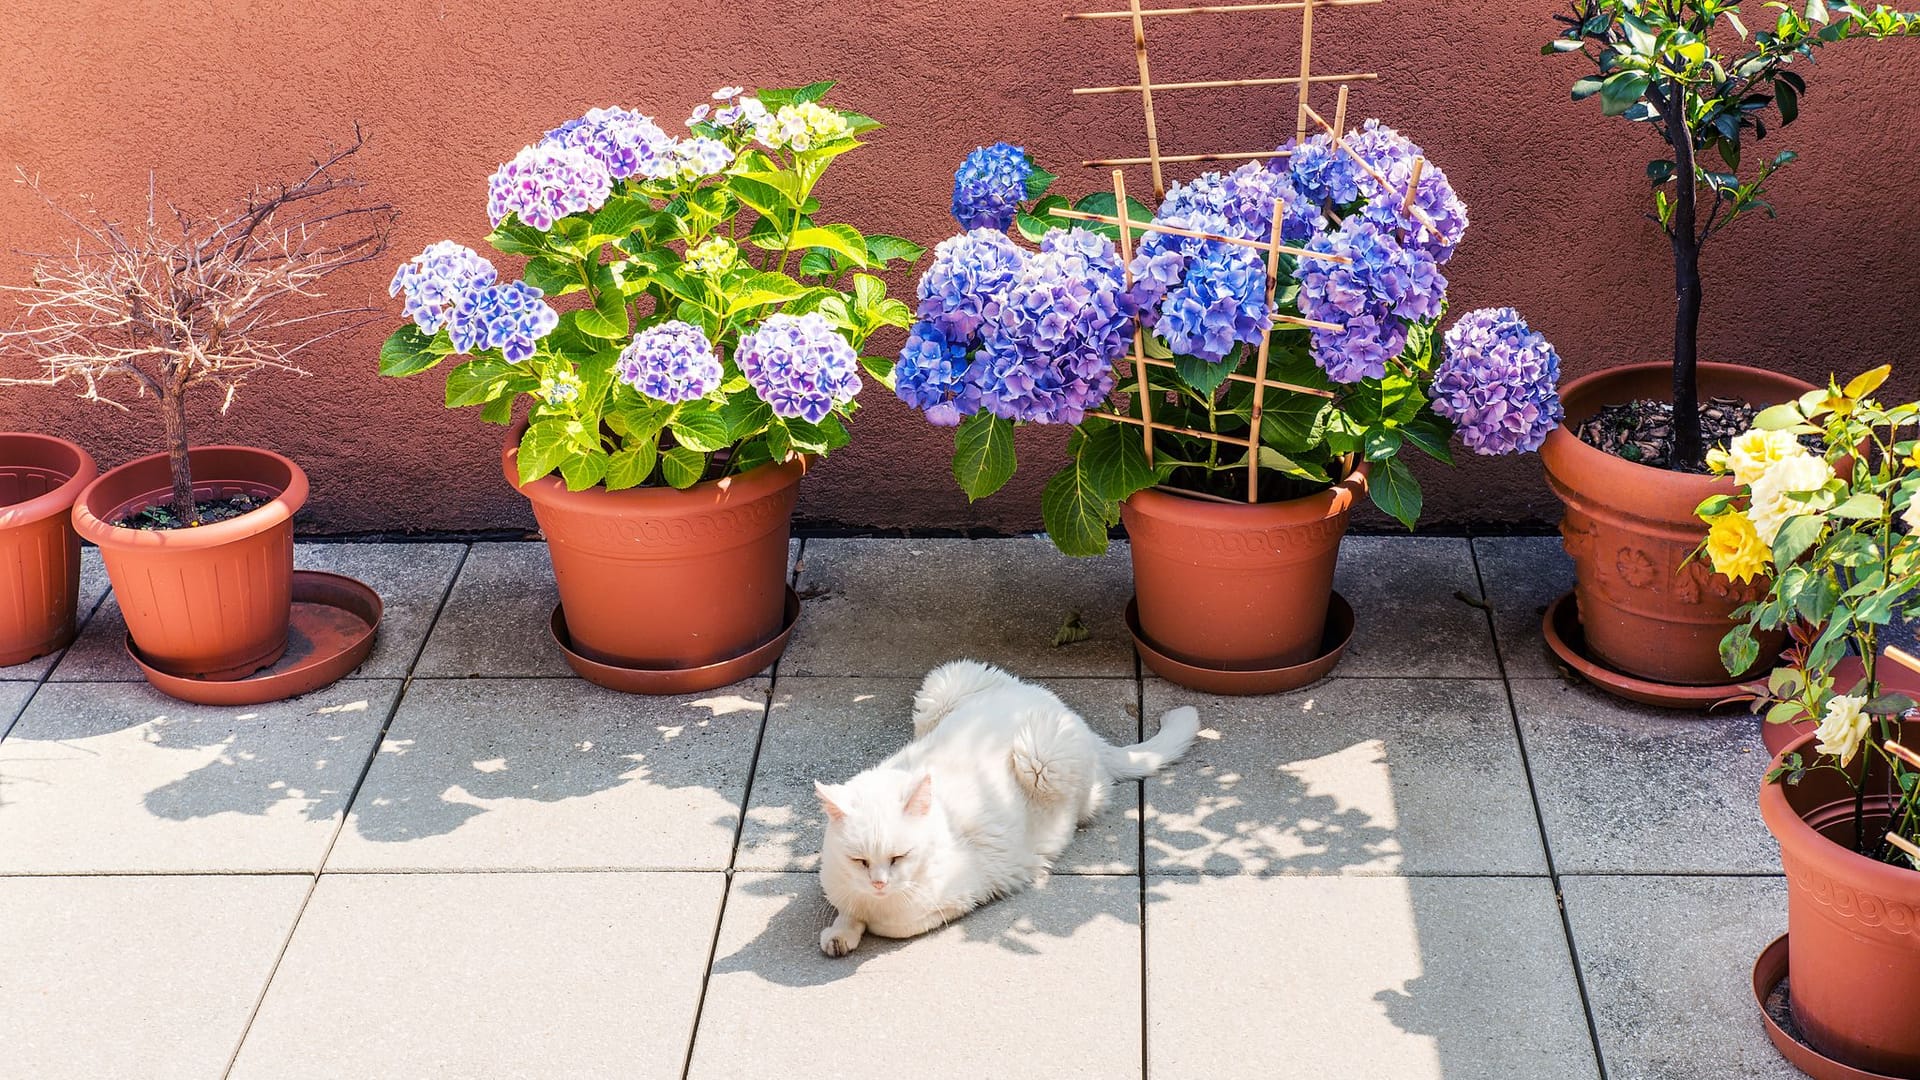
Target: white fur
(979, 804)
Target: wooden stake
(1239, 378)
(1172, 230)
(1146, 99)
(1260, 363)
(1340, 117)
(1221, 84)
(1902, 753)
(1905, 846)
(1206, 495)
(1902, 657)
(1413, 184)
(1215, 436)
(1145, 392)
(1306, 65)
(1217, 9)
(1252, 155)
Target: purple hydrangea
(511, 317)
(1221, 300)
(938, 376)
(624, 141)
(672, 362)
(436, 279)
(1392, 155)
(989, 187)
(1497, 382)
(1372, 297)
(1320, 172)
(1050, 352)
(963, 289)
(543, 184)
(1247, 196)
(799, 365)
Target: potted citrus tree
(708, 351)
(1233, 577)
(198, 540)
(1832, 537)
(1631, 463)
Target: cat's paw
(838, 941)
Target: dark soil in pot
(1642, 431)
(161, 516)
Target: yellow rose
(1735, 547)
(1754, 452)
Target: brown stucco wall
(213, 94)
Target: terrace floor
(1445, 862)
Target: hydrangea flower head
(436, 279)
(1321, 172)
(543, 184)
(801, 126)
(967, 282)
(989, 187)
(1050, 351)
(512, 318)
(1221, 300)
(1372, 296)
(714, 257)
(700, 157)
(671, 362)
(560, 388)
(1441, 220)
(1498, 382)
(800, 365)
(936, 375)
(624, 141)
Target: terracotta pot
(40, 476)
(662, 579)
(1646, 609)
(1237, 587)
(211, 601)
(1853, 923)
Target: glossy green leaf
(408, 351)
(632, 464)
(1076, 516)
(983, 458)
(1394, 489)
(682, 466)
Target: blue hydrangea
(800, 366)
(963, 288)
(436, 279)
(1321, 173)
(671, 362)
(624, 141)
(1498, 382)
(938, 376)
(989, 187)
(1442, 221)
(1221, 301)
(1372, 297)
(543, 184)
(1050, 352)
(512, 318)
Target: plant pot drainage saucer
(1569, 644)
(331, 631)
(1333, 642)
(1769, 972)
(677, 680)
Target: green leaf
(1795, 537)
(1430, 436)
(883, 249)
(1738, 650)
(1382, 443)
(1077, 518)
(983, 454)
(1778, 417)
(1862, 505)
(1621, 91)
(1203, 375)
(683, 466)
(744, 415)
(1281, 463)
(1101, 202)
(761, 290)
(478, 381)
(582, 471)
(1639, 35)
(543, 447)
(1115, 459)
(616, 219)
(1038, 181)
(771, 201)
(1789, 102)
(632, 464)
(701, 429)
(1586, 87)
(843, 240)
(513, 238)
(1394, 490)
(408, 352)
(1892, 703)
(607, 319)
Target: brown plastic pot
(1853, 923)
(659, 579)
(1237, 587)
(40, 477)
(1645, 608)
(211, 601)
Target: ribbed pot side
(1237, 587)
(1853, 924)
(211, 601)
(662, 579)
(40, 477)
(1646, 608)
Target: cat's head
(880, 826)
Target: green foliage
(763, 247)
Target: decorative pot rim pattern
(281, 508)
(61, 499)
(1814, 854)
(1202, 513)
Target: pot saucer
(632, 680)
(331, 631)
(1569, 644)
(1333, 642)
(1769, 971)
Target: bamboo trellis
(1272, 246)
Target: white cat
(977, 806)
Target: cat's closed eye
(896, 859)
(860, 860)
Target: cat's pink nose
(879, 886)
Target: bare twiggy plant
(182, 301)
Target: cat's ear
(920, 799)
(827, 803)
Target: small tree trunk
(1687, 447)
(173, 410)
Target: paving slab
(1361, 979)
(13, 698)
(488, 975)
(149, 977)
(410, 578)
(1624, 788)
(116, 778)
(828, 729)
(93, 586)
(1522, 575)
(1045, 984)
(510, 774)
(1410, 620)
(903, 607)
(1349, 776)
(1668, 964)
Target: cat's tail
(946, 686)
(1178, 727)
